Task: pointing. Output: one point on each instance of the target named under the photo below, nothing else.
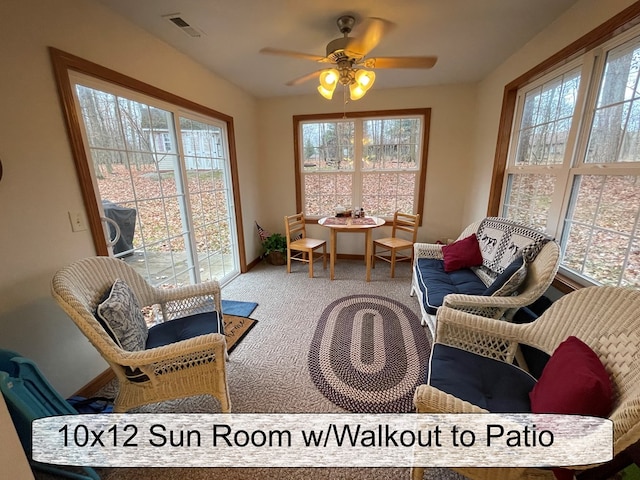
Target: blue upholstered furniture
(513, 255)
(475, 367)
(29, 396)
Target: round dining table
(354, 225)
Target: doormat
(240, 309)
(368, 354)
(235, 329)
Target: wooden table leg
(368, 252)
(332, 255)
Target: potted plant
(275, 249)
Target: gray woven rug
(368, 354)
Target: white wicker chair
(190, 367)
(605, 318)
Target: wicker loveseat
(498, 286)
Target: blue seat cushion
(183, 328)
(430, 272)
(174, 331)
(485, 382)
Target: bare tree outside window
(180, 202)
(578, 177)
(372, 163)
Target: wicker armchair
(605, 318)
(540, 274)
(193, 366)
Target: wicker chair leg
(225, 403)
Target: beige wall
(39, 184)
(583, 17)
(452, 118)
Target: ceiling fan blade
(368, 36)
(304, 78)
(290, 53)
(400, 62)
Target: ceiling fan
(348, 55)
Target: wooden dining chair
(403, 235)
(299, 246)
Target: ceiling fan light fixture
(325, 92)
(362, 82)
(365, 78)
(328, 82)
(329, 78)
(348, 53)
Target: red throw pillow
(464, 253)
(574, 381)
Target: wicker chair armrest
(189, 299)
(540, 275)
(481, 335)
(486, 306)
(202, 345)
(427, 250)
(428, 399)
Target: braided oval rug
(368, 354)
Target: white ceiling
(470, 37)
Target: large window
(375, 162)
(156, 169)
(574, 161)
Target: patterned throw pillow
(122, 317)
(508, 282)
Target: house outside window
(574, 162)
(376, 162)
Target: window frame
(298, 145)
(590, 42)
(63, 63)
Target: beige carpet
(268, 370)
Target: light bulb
(328, 82)
(329, 77)
(365, 79)
(362, 81)
(328, 94)
(356, 92)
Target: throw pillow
(464, 253)
(122, 317)
(574, 381)
(508, 281)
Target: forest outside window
(574, 162)
(374, 162)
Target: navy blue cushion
(536, 359)
(183, 329)
(509, 280)
(487, 383)
(440, 283)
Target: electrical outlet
(77, 221)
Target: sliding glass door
(162, 180)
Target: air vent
(180, 22)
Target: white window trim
(593, 63)
(359, 117)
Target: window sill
(565, 284)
